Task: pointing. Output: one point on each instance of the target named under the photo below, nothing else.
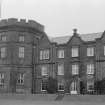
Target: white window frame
(21, 38)
(75, 69)
(60, 53)
(60, 68)
(2, 79)
(75, 51)
(44, 70)
(44, 54)
(3, 52)
(21, 52)
(62, 85)
(90, 69)
(20, 80)
(90, 51)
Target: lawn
(49, 100)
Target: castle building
(28, 57)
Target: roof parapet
(22, 22)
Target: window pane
(90, 85)
(60, 53)
(41, 55)
(44, 85)
(21, 38)
(20, 80)
(60, 69)
(1, 78)
(44, 70)
(21, 52)
(90, 51)
(75, 52)
(90, 68)
(3, 52)
(61, 86)
(3, 37)
(75, 69)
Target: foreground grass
(25, 102)
(49, 100)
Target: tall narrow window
(60, 68)
(44, 70)
(3, 38)
(60, 53)
(104, 50)
(1, 79)
(90, 68)
(41, 55)
(90, 51)
(75, 52)
(3, 52)
(21, 52)
(20, 80)
(75, 69)
(21, 38)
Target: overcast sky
(59, 16)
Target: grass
(49, 100)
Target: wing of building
(29, 57)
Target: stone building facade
(28, 57)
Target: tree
(52, 85)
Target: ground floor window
(20, 79)
(90, 85)
(61, 86)
(44, 85)
(1, 79)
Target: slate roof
(84, 37)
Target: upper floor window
(21, 52)
(75, 52)
(104, 50)
(60, 53)
(20, 79)
(3, 38)
(3, 52)
(21, 38)
(90, 51)
(75, 69)
(1, 79)
(44, 70)
(90, 68)
(44, 54)
(60, 68)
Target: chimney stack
(75, 31)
